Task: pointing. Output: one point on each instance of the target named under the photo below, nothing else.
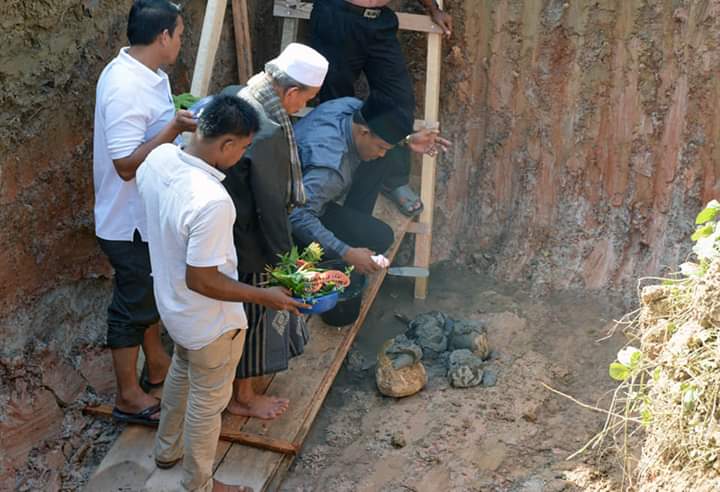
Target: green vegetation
(665, 414)
(299, 272)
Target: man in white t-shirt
(134, 114)
(190, 220)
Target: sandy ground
(514, 436)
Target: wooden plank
(290, 9)
(289, 32)
(251, 467)
(419, 228)
(169, 480)
(253, 440)
(130, 463)
(260, 442)
(241, 27)
(306, 384)
(423, 242)
(209, 42)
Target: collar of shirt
(152, 78)
(347, 130)
(200, 164)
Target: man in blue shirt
(361, 36)
(340, 143)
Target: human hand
(428, 141)
(443, 20)
(278, 298)
(184, 121)
(361, 259)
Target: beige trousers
(197, 389)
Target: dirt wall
(585, 137)
(53, 55)
(54, 281)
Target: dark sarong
(272, 339)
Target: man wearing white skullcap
(265, 186)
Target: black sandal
(142, 417)
(405, 198)
(145, 383)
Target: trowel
(408, 271)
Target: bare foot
(259, 406)
(223, 487)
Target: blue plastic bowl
(319, 304)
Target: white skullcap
(303, 64)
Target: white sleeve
(126, 123)
(210, 235)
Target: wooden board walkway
(129, 464)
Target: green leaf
(656, 375)
(646, 417)
(635, 359)
(706, 215)
(690, 396)
(184, 101)
(703, 231)
(619, 372)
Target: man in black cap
(361, 36)
(340, 144)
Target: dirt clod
(398, 439)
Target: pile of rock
(461, 345)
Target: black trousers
(132, 308)
(353, 44)
(353, 222)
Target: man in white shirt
(134, 113)
(194, 263)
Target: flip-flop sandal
(145, 383)
(144, 417)
(404, 197)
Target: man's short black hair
(149, 18)
(227, 115)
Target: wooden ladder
(292, 11)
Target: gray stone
(489, 377)
(433, 317)
(470, 335)
(401, 382)
(403, 352)
(355, 361)
(430, 331)
(465, 369)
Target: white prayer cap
(303, 64)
